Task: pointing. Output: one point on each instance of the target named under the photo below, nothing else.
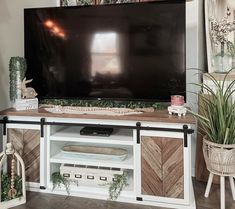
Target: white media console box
(158, 161)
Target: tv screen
(121, 52)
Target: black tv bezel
(115, 99)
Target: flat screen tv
(127, 52)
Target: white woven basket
(219, 158)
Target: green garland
(6, 185)
(65, 3)
(13, 67)
(102, 103)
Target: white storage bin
(89, 174)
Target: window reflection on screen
(105, 54)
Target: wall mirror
(220, 35)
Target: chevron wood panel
(27, 144)
(162, 170)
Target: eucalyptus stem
(222, 49)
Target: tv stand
(158, 163)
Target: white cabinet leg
(222, 192)
(208, 186)
(232, 186)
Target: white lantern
(20, 170)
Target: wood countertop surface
(157, 116)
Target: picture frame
(217, 10)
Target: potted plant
(217, 121)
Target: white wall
(195, 56)
(12, 37)
(12, 42)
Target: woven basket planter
(220, 159)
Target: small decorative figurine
(27, 92)
(177, 106)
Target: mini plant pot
(219, 158)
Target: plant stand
(220, 160)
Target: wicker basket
(220, 159)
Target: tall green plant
(217, 118)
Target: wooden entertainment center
(158, 162)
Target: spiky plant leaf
(217, 118)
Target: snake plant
(217, 118)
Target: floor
(46, 201)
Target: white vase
(222, 60)
(223, 63)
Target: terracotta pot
(219, 158)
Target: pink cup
(177, 100)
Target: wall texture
(12, 42)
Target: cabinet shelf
(60, 157)
(72, 134)
(97, 189)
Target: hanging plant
(58, 180)
(17, 67)
(117, 185)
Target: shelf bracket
(42, 123)
(138, 125)
(5, 119)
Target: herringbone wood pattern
(162, 170)
(27, 144)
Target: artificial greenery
(6, 185)
(89, 2)
(58, 180)
(217, 118)
(16, 64)
(231, 48)
(102, 103)
(117, 185)
(65, 3)
(115, 1)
